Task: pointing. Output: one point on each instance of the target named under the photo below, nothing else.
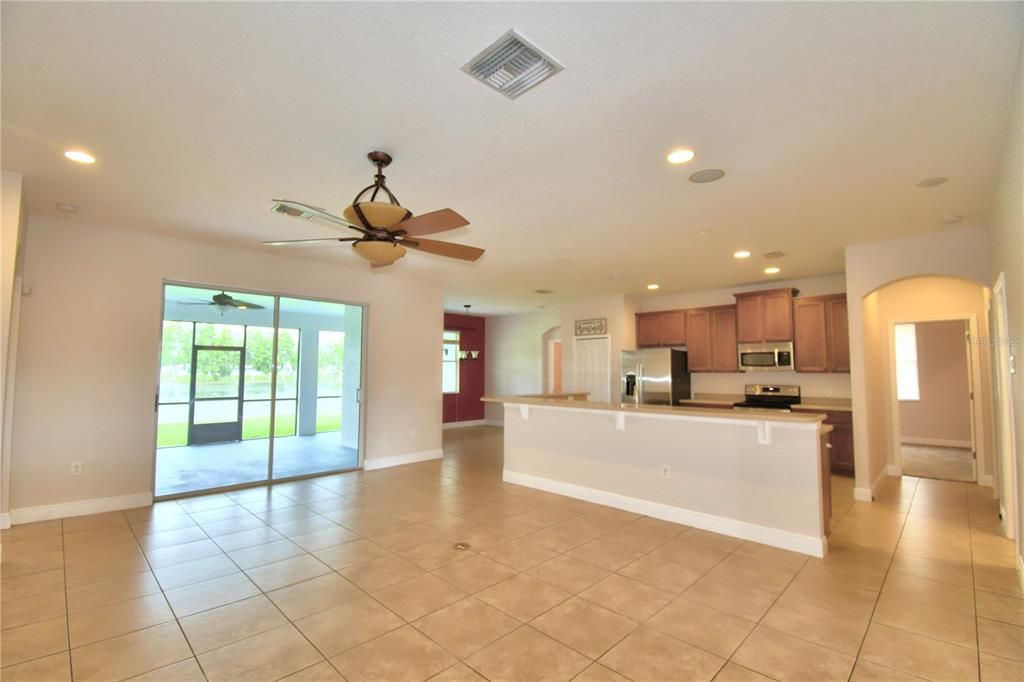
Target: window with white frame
(450, 362)
(907, 387)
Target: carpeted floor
(926, 461)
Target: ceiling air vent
(512, 65)
(543, 291)
(774, 255)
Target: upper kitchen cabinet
(821, 341)
(723, 339)
(663, 328)
(698, 340)
(711, 339)
(764, 316)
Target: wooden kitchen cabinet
(821, 340)
(841, 438)
(838, 334)
(662, 328)
(723, 339)
(698, 340)
(764, 316)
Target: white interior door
(593, 367)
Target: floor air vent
(512, 65)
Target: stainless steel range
(769, 396)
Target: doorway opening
(935, 395)
(255, 388)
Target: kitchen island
(759, 475)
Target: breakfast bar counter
(759, 475)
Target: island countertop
(726, 412)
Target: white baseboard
(868, 494)
(500, 423)
(936, 442)
(1020, 571)
(465, 424)
(863, 495)
(5, 521)
(80, 508)
(805, 544)
(399, 460)
(894, 470)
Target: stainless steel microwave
(766, 357)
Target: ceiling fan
(224, 301)
(386, 228)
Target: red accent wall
(466, 405)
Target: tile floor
(354, 577)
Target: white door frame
(973, 381)
(549, 380)
(576, 362)
(1005, 432)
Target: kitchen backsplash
(811, 385)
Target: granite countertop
(726, 412)
(806, 403)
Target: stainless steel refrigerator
(654, 376)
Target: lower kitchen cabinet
(841, 439)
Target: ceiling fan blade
(448, 249)
(306, 212)
(286, 242)
(429, 223)
(244, 305)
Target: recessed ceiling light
(680, 156)
(932, 182)
(741, 254)
(772, 270)
(707, 175)
(79, 156)
(66, 208)
(652, 287)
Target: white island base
(757, 476)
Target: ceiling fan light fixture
(379, 253)
(376, 213)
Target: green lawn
(172, 435)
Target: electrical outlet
(666, 471)
(76, 468)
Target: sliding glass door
(255, 387)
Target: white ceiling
(825, 116)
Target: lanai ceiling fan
(223, 301)
(386, 228)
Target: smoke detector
(512, 65)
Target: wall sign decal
(597, 326)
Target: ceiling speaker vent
(774, 255)
(512, 65)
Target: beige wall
(1007, 249)
(943, 414)
(514, 355)
(914, 300)
(89, 343)
(961, 253)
